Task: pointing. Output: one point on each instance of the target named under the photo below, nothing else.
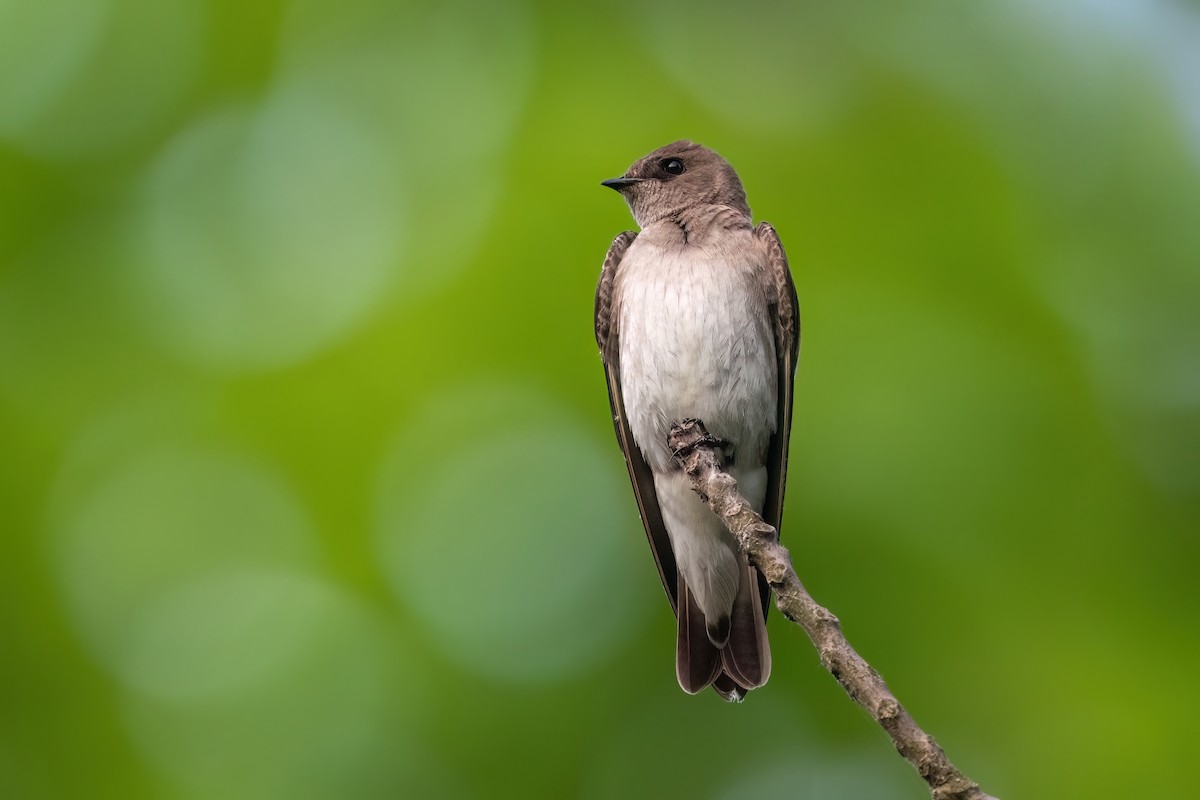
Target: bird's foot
(705, 439)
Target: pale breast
(696, 341)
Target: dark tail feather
(746, 659)
(729, 691)
(697, 660)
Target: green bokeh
(277, 279)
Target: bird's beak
(620, 184)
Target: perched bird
(696, 317)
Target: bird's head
(676, 178)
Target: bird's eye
(673, 166)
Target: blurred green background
(307, 480)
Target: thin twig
(695, 451)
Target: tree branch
(695, 451)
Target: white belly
(695, 341)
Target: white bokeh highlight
(291, 693)
(149, 522)
(508, 533)
(446, 86)
(227, 632)
(191, 572)
(267, 233)
(42, 47)
(80, 80)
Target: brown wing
(697, 660)
(785, 312)
(607, 336)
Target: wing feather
(697, 659)
(640, 476)
(785, 312)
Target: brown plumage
(711, 330)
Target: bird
(696, 316)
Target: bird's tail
(734, 666)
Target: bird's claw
(707, 440)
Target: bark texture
(697, 453)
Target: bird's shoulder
(606, 293)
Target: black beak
(620, 184)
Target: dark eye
(673, 166)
